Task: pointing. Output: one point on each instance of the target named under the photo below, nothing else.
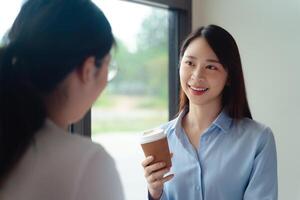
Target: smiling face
(202, 76)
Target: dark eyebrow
(191, 57)
(214, 61)
(208, 60)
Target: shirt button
(197, 187)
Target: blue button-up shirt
(236, 160)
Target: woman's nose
(198, 73)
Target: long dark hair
(48, 40)
(234, 97)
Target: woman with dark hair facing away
(52, 68)
(219, 151)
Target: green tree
(144, 72)
(154, 31)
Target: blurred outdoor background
(137, 98)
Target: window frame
(180, 25)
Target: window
(137, 98)
(140, 96)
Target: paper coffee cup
(154, 143)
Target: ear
(87, 71)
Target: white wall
(268, 35)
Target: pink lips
(198, 90)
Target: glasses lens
(112, 71)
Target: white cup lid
(152, 135)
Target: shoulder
(93, 170)
(251, 126)
(97, 175)
(83, 143)
(252, 130)
(83, 149)
(96, 170)
(75, 166)
(70, 148)
(169, 127)
(247, 122)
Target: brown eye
(211, 67)
(189, 63)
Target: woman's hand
(154, 174)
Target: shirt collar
(177, 121)
(223, 120)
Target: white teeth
(199, 89)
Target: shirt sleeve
(263, 183)
(162, 197)
(100, 179)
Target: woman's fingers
(167, 178)
(154, 167)
(147, 161)
(154, 173)
(158, 184)
(158, 175)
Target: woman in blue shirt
(219, 151)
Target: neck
(56, 111)
(200, 117)
(58, 121)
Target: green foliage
(154, 31)
(137, 98)
(144, 72)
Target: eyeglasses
(112, 70)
